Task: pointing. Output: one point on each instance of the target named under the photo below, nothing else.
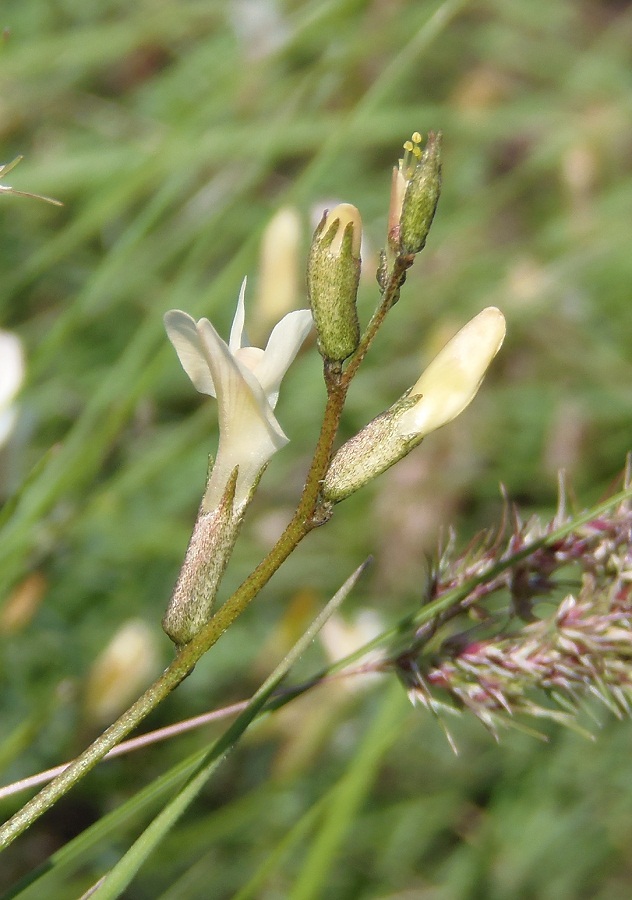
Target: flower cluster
(245, 380)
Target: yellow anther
(412, 155)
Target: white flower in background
(340, 638)
(121, 670)
(245, 380)
(11, 378)
(260, 26)
(279, 271)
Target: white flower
(245, 380)
(340, 637)
(453, 378)
(278, 283)
(11, 377)
(122, 669)
(447, 386)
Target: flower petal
(237, 338)
(184, 336)
(233, 379)
(452, 379)
(283, 345)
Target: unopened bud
(414, 194)
(445, 389)
(333, 273)
(453, 378)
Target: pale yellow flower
(245, 380)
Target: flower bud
(445, 389)
(333, 273)
(414, 195)
(453, 378)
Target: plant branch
(390, 296)
(184, 663)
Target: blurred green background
(173, 132)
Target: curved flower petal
(237, 337)
(183, 334)
(234, 381)
(283, 345)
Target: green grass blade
(124, 871)
(352, 790)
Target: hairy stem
(305, 519)
(300, 525)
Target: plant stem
(306, 518)
(390, 296)
(300, 525)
